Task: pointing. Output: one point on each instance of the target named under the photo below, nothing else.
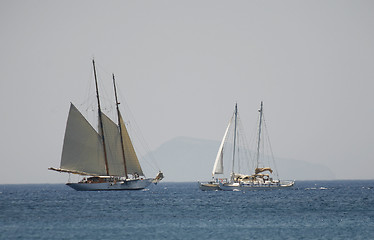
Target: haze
(182, 65)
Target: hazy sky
(182, 65)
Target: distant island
(186, 159)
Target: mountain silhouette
(186, 159)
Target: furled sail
(113, 147)
(218, 164)
(83, 149)
(132, 162)
(260, 170)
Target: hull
(136, 184)
(209, 186)
(246, 186)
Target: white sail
(83, 149)
(113, 147)
(218, 164)
(132, 162)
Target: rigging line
(88, 103)
(246, 153)
(147, 162)
(271, 149)
(242, 151)
(106, 95)
(134, 128)
(252, 145)
(89, 97)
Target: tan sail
(113, 147)
(82, 150)
(260, 170)
(132, 162)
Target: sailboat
(218, 164)
(262, 177)
(105, 158)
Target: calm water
(311, 210)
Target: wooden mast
(100, 119)
(119, 125)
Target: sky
(182, 66)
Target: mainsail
(218, 164)
(83, 149)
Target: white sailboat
(262, 178)
(105, 157)
(218, 164)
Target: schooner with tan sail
(106, 158)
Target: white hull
(248, 186)
(133, 184)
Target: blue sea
(310, 210)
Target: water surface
(310, 210)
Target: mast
(100, 119)
(119, 125)
(233, 152)
(259, 135)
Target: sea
(309, 210)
